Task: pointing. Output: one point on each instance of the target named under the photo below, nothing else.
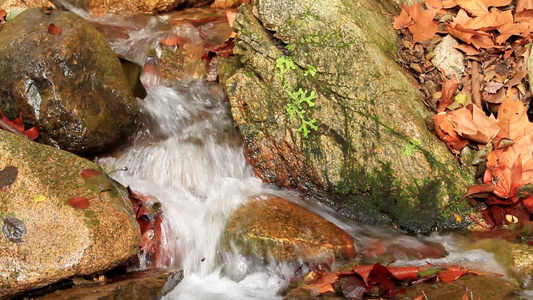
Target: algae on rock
(60, 240)
(367, 110)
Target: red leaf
(479, 189)
(323, 285)
(404, 273)
(79, 202)
(451, 274)
(32, 133)
(53, 29)
(3, 15)
(88, 173)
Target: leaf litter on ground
(487, 107)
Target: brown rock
(44, 239)
(144, 285)
(67, 80)
(274, 226)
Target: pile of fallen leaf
(381, 281)
(486, 109)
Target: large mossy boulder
(70, 83)
(324, 107)
(60, 217)
(272, 227)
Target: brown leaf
(79, 202)
(493, 87)
(517, 78)
(449, 86)
(53, 29)
(8, 175)
(88, 173)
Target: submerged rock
(323, 107)
(70, 83)
(277, 228)
(60, 217)
(144, 285)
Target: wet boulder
(60, 216)
(65, 78)
(323, 107)
(271, 226)
(143, 285)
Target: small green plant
(284, 64)
(410, 147)
(297, 108)
(311, 70)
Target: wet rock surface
(98, 8)
(370, 156)
(142, 285)
(70, 83)
(44, 237)
(272, 226)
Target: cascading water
(190, 158)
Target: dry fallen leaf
(471, 123)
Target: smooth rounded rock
(271, 226)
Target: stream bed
(189, 157)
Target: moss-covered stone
(371, 157)
(71, 84)
(60, 240)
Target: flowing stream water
(190, 158)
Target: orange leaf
(513, 120)
(474, 125)
(230, 16)
(172, 40)
(522, 5)
(491, 20)
(53, 29)
(441, 3)
(467, 49)
(403, 20)
(423, 27)
(475, 7)
(524, 17)
(509, 29)
(451, 274)
(447, 134)
(323, 285)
